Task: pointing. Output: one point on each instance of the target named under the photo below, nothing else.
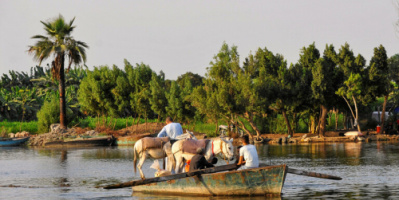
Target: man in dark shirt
(199, 161)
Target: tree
(307, 59)
(139, 79)
(271, 85)
(189, 111)
(353, 89)
(60, 44)
(380, 79)
(251, 101)
(98, 95)
(221, 76)
(175, 103)
(216, 98)
(393, 68)
(195, 79)
(157, 98)
(324, 84)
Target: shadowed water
(369, 170)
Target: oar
(306, 173)
(171, 177)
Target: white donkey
(156, 153)
(214, 147)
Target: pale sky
(181, 36)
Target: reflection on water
(369, 170)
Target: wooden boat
(84, 142)
(262, 181)
(13, 141)
(126, 141)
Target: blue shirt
(171, 130)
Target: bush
(49, 114)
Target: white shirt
(250, 156)
(171, 130)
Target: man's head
(245, 139)
(200, 151)
(168, 120)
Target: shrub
(49, 114)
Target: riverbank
(128, 136)
(330, 136)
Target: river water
(369, 171)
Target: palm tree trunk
(61, 85)
(383, 114)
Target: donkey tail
(135, 158)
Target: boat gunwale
(219, 173)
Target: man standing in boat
(171, 130)
(248, 155)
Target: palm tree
(60, 45)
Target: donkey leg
(179, 163)
(141, 162)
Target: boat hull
(13, 142)
(90, 142)
(126, 141)
(264, 181)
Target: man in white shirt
(248, 155)
(171, 130)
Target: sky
(183, 36)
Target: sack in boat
(191, 146)
(150, 143)
(160, 172)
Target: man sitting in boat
(171, 130)
(199, 161)
(248, 155)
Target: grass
(115, 123)
(207, 128)
(14, 127)
(91, 122)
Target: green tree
(97, 95)
(380, 79)
(195, 79)
(158, 99)
(324, 84)
(175, 103)
(139, 78)
(221, 77)
(393, 68)
(60, 44)
(270, 86)
(353, 89)
(307, 59)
